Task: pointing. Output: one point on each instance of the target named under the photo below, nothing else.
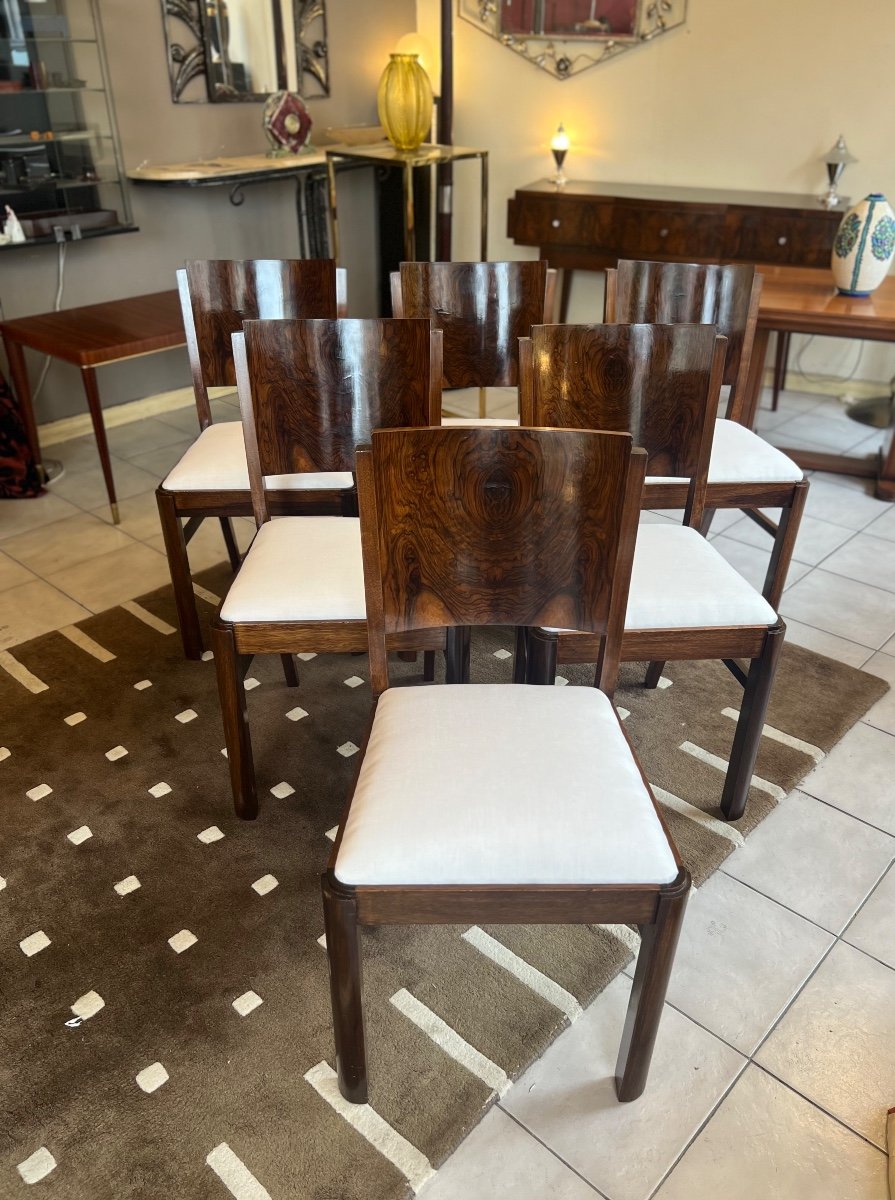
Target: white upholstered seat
(216, 461)
(492, 422)
(680, 581)
(300, 569)
(501, 784)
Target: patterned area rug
(165, 1004)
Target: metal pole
(445, 173)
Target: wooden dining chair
(309, 393)
(482, 309)
(211, 479)
(660, 383)
(745, 471)
(499, 803)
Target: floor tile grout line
(549, 1149)
(869, 824)
(820, 1108)
(697, 1133)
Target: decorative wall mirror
(234, 50)
(566, 37)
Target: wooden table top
(102, 333)
(802, 300)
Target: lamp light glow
(559, 146)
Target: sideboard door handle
(781, 241)
(663, 233)
(555, 222)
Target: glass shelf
(57, 86)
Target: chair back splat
(217, 295)
(311, 391)
(481, 526)
(725, 296)
(660, 383)
(483, 308)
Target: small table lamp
(837, 159)
(559, 145)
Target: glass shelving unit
(60, 161)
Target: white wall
(749, 94)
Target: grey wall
(176, 224)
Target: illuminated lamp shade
(418, 44)
(404, 101)
(559, 145)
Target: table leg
(88, 375)
(333, 210)
(885, 482)
(565, 295)
(753, 383)
(484, 161)
(20, 386)
(409, 217)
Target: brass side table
(384, 154)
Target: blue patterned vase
(864, 246)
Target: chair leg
(520, 657)
(290, 671)
(781, 358)
(747, 737)
(705, 524)
(658, 943)
(181, 581)
(428, 666)
(542, 649)
(653, 674)
(345, 984)
(784, 545)
(231, 669)
(456, 654)
(230, 542)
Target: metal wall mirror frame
(243, 50)
(565, 37)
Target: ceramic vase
(404, 101)
(864, 246)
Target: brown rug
(133, 1068)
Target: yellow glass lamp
(404, 101)
(559, 144)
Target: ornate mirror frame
(185, 42)
(563, 57)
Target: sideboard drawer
(755, 236)
(558, 221)
(670, 233)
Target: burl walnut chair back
(745, 472)
(482, 308)
(217, 295)
(499, 526)
(310, 392)
(660, 383)
(725, 296)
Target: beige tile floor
(776, 1060)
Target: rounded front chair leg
(428, 666)
(456, 654)
(542, 649)
(657, 946)
(345, 983)
(520, 657)
(231, 669)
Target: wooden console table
(91, 337)
(590, 226)
(795, 300)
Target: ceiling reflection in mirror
(565, 37)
